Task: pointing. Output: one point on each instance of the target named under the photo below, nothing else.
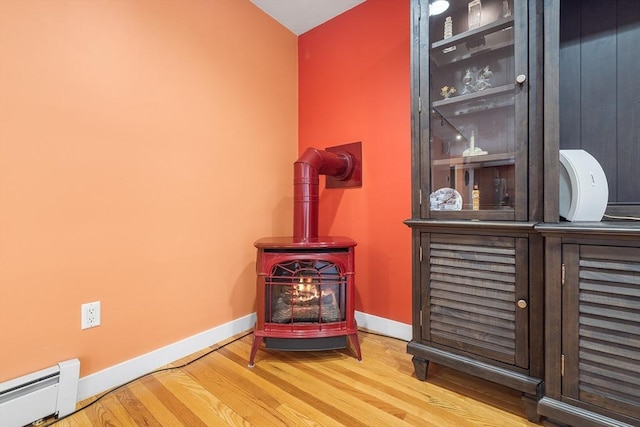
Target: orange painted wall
(354, 85)
(144, 146)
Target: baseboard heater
(32, 397)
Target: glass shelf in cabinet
(499, 214)
(445, 59)
(496, 97)
(476, 33)
(489, 39)
(473, 162)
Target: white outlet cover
(90, 315)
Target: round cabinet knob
(522, 303)
(521, 78)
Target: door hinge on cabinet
(562, 365)
(420, 254)
(419, 104)
(562, 275)
(421, 318)
(420, 197)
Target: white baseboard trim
(384, 326)
(126, 371)
(121, 373)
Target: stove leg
(356, 344)
(257, 341)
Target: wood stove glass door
(305, 291)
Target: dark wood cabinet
(592, 324)
(592, 270)
(477, 192)
(478, 303)
(495, 97)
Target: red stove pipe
(306, 184)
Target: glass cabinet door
(477, 100)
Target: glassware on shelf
(448, 28)
(475, 14)
(448, 33)
(506, 11)
(483, 79)
(467, 81)
(473, 150)
(476, 81)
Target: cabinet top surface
(626, 228)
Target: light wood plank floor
(329, 388)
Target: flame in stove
(305, 290)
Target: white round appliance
(584, 191)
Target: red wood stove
(305, 283)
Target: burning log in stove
(306, 301)
(304, 292)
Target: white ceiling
(300, 16)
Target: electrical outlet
(90, 315)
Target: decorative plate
(445, 199)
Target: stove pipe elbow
(306, 187)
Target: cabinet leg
(420, 366)
(531, 408)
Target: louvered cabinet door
(475, 295)
(601, 327)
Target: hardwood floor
(329, 388)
